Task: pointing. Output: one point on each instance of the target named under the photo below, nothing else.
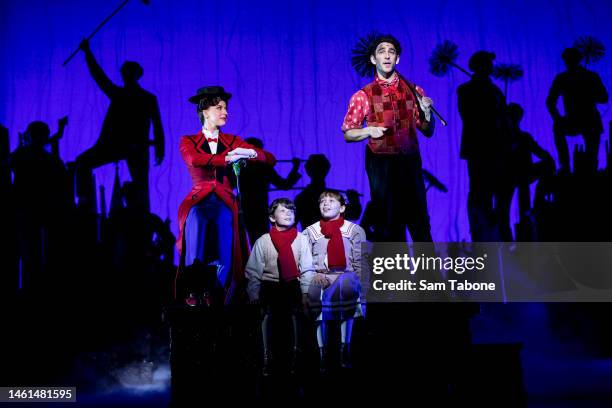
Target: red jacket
(209, 174)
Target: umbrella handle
(442, 120)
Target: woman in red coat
(209, 155)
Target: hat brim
(197, 98)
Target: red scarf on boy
(282, 240)
(336, 258)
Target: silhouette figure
(137, 237)
(125, 131)
(608, 151)
(519, 171)
(5, 171)
(307, 201)
(9, 272)
(353, 205)
(256, 179)
(41, 199)
(581, 91)
(481, 106)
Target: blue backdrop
(288, 66)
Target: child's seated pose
(278, 272)
(334, 292)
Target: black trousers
(484, 199)
(398, 197)
(137, 158)
(592, 139)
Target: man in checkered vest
(393, 109)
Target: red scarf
(282, 240)
(336, 258)
(388, 83)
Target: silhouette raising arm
(54, 140)
(97, 73)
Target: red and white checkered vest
(398, 112)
